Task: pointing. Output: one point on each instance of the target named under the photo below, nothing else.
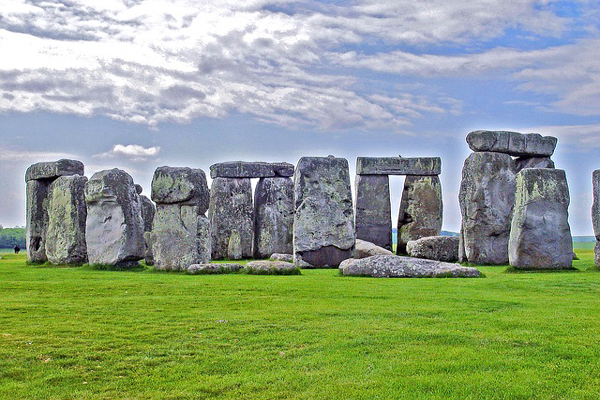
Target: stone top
(424, 166)
(244, 169)
(53, 169)
(512, 143)
(180, 185)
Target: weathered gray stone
(243, 169)
(404, 267)
(231, 209)
(273, 216)
(513, 143)
(180, 185)
(462, 256)
(216, 268)
(65, 236)
(54, 169)
(149, 256)
(364, 249)
(282, 257)
(533, 162)
(421, 210)
(440, 248)
(487, 196)
(595, 213)
(271, 268)
(540, 236)
(114, 228)
(148, 212)
(234, 248)
(138, 188)
(324, 216)
(37, 221)
(373, 218)
(421, 166)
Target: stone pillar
(114, 227)
(540, 236)
(274, 216)
(148, 212)
(180, 233)
(373, 218)
(596, 214)
(324, 216)
(421, 210)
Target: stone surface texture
(234, 248)
(231, 209)
(273, 216)
(114, 228)
(180, 185)
(364, 249)
(533, 162)
(422, 166)
(65, 236)
(216, 268)
(37, 221)
(440, 248)
(513, 143)
(486, 197)
(595, 213)
(282, 257)
(324, 215)
(421, 210)
(540, 236)
(404, 267)
(373, 210)
(244, 169)
(271, 268)
(54, 169)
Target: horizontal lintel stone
(53, 169)
(512, 143)
(422, 166)
(244, 169)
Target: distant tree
(11, 236)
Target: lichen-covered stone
(324, 215)
(54, 169)
(271, 268)
(231, 209)
(512, 143)
(215, 268)
(364, 249)
(273, 216)
(148, 212)
(386, 266)
(37, 221)
(540, 236)
(114, 228)
(487, 196)
(243, 169)
(533, 162)
(181, 185)
(282, 257)
(421, 166)
(421, 210)
(440, 248)
(596, 213)
(65, 236)
(234, 248)
(373, 218)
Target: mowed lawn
(73, 333)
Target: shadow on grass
(513, 270)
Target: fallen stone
(271, 268)
(421, 166)
(533, 162)
(383, 266)
(243, 169)
(364, 249)
(273, 216)
(54, 169)
(65, 237)
(540, 236)
(421, 210)
(486, 197)
(440, 248)
(512, 143)
(282, 257)
(373, 218)
(37, 221)
(215, 268)
(180, 185)
(324, 216)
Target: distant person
(17, 249)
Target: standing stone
(37, 221)
(373, 210)
(324, 217)
(65, 237)
(274, 216)
(231, 209)
(114, 228)
(234, 248)
(487, 196)
(596, 213)
(421, 210)
(148, 213)
(180, 233)
(540, 236)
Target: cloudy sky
(136, 84)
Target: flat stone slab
(364, 249)
(513, 143)
(54, 169)
(440, 248)
(282, 257)
(271, 268)
(404, 267)
(244, 169)
(424, 166)
(213, 268)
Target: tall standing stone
(274, 216)
(231, 209)
(373, 217)
(421, 210)
(596, 214)
(65, 237)
(114, 227)
(148, 213)
(540, 236)
(324, 217)
(487, 195)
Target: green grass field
(73, 333)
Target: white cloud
(17, 155)
(134, 152)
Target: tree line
(11, 236)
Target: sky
(137, 84)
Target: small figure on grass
(17, 249)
